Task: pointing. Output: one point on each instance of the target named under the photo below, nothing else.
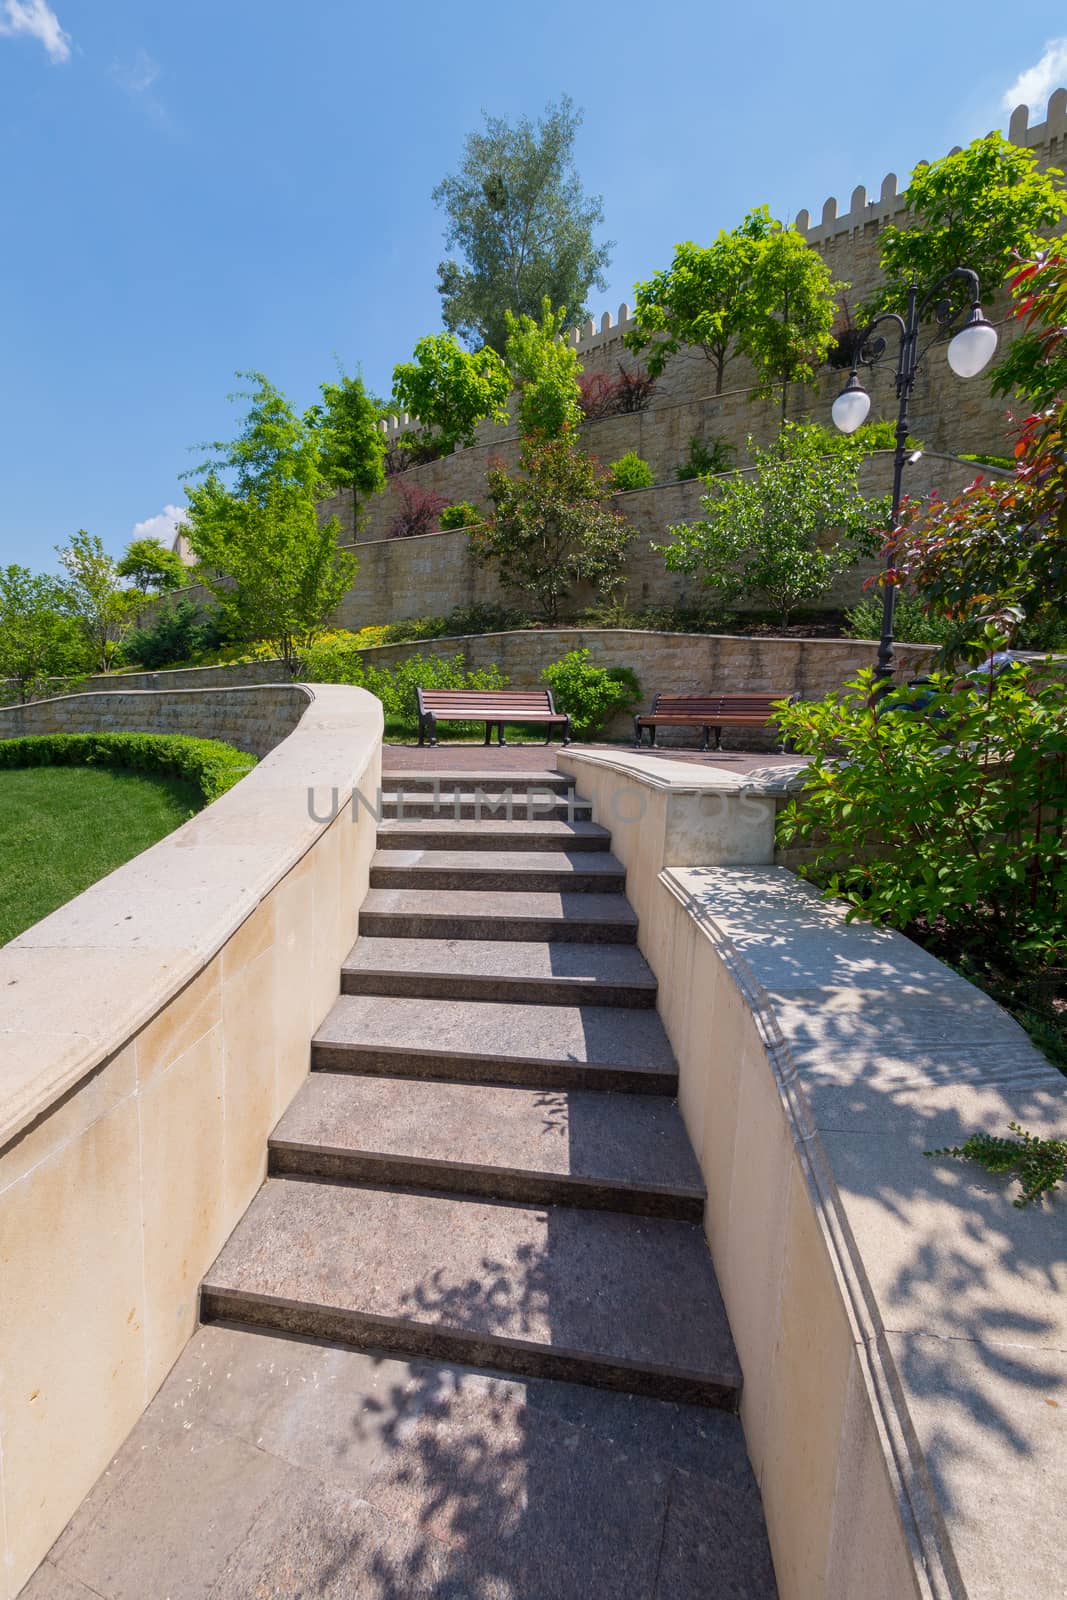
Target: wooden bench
(491, 706)
(707, 711)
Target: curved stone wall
(152, 1031)
(254, 718)
(900, 1325)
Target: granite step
(466, 804)
(619, 1301)
(486, 1041)
(539, 973)
(617, 1152)
(448, 833)
(485, 914)
(489, 781)
(576, 872)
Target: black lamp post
(969, 352)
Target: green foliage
(1000, 547)
(152, 566)
(521, 221)
(1036, 362)
(451, 390)
(461, 515)
(784, 531)
(93, 595)
(275, 449)
(705, 460)
(631, 472)
(981, 208)
(179, 632)
(350, 441)
(274, 571)
(702, 299)
(912, 623)
(42, 650)
(791, 305)
(946, 807)
(209, 765)
(545, 369)
(591, 695)
(552, 527)
(1039, 1165)
(339, 659)
(758, 290)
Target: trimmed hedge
(209, 765)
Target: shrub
(340, 661)
(591, 695)
(947, 808)
(705, 460)
(180, 632)
(209, 765)
(552, 528)
(912, 623)
(631, 472)
(417, 512)
(600, 395)
(461, 515)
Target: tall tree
(276, 447)
(96, 598)
(701, 299)
(150, 565)
(351, 443)
(41, 648)
(520, 219)
(984, 207)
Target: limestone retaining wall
(901, 1327)
(152, 1032)
(251, 718)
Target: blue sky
(197, 188)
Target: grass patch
(63, 828)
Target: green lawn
(62, 828)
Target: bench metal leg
(488, 732)
(718, 738)
(704, 740)
(500, 735)
(431, 728)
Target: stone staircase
(487, 1164)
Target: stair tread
(602, 863)
(556, 906)
(606, 1139)
(605, 963)
(487, 1030)
(518, 828)
(593, 1286)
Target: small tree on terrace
(551, 526)
(785, 530)
(451, 389)
(701, 299)
(351, 443)
(94, 596)
(150, 565)
(982, 208)
(41, 648)
(274, 570)
(546, 370)
(790, 316)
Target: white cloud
(1033, 87)
(164, 525)
(36, 19)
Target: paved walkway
(281, 1469)
(539, 758)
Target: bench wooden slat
(745, 709)
(491, 706)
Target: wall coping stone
(955, 1298)
(79, 984)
